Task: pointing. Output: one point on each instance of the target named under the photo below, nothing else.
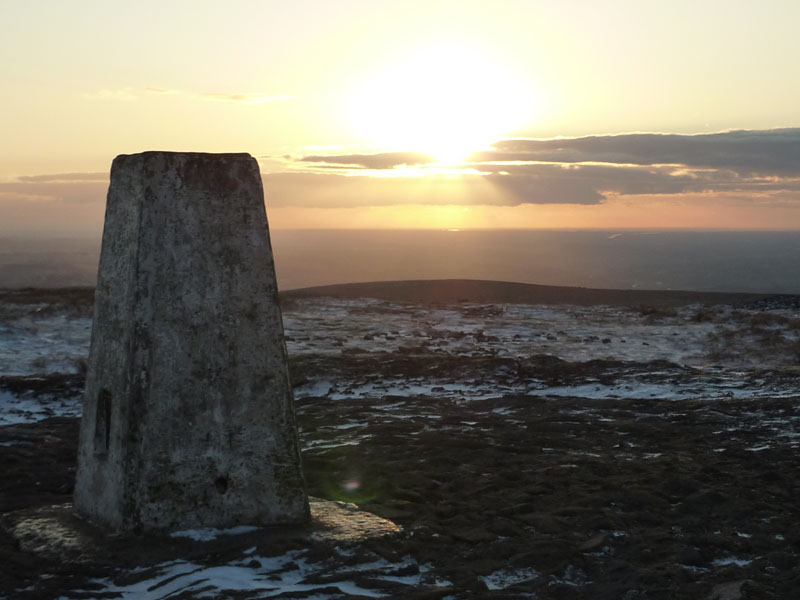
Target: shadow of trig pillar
(188, 418)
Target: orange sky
(441, 114)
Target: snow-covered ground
(694, 336)
(728, 350)
(637, 353)
(267, 577)
(732, 353)
(688, 335)
(31, 344)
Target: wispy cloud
(59, 187)
(161, 91)
(122, 94)
(132, 93)
(64, 177)
(378, 160)
(244, 98)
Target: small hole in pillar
(221, 483)
(102, 426)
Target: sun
(447, 100)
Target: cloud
(243, 98)
(164, 91)
(379, 160)
(131, 93)
(7, 197)
(336, 190)
(240, 98)
(607, 179)
(775, 151)
(759, 167)
(588, 170)
(545, 188)
(64, 177)
(125, 94)
(70, 188)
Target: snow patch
(15, 410)
(208, 534)
(46, 344)
(288, 574)
(500, 580)
(730, 560)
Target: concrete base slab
(55, 533)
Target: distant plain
(724, 261)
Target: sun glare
(448, 101)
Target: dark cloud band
(746, 164)
(775, 151)
(586, 170)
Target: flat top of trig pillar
(198, 170)
(171, 153)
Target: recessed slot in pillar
(102, 423)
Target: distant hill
(471, 290)
(431, 291)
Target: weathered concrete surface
(188, 418)
(53, 532)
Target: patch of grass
(654, 314)
(75, 302)
(705, 315)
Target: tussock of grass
(74, 302)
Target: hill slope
(479, 291)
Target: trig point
(188, 418)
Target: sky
(408, 114)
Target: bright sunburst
(447, 101)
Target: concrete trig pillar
(188, 418)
